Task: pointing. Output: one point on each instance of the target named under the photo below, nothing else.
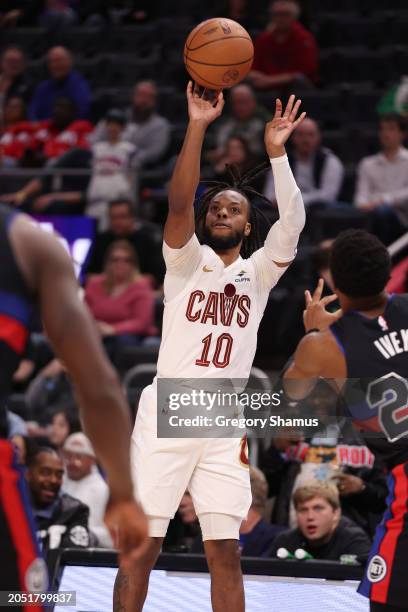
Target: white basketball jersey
(212, 312)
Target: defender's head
(360, 264)
(227, 220)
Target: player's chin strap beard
(222, 243)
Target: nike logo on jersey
(207, 269)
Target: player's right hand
(202, 110)
(128, 527)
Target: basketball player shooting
(201, 340)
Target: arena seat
(135, 380)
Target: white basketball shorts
(214, 471)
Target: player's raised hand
(280, 128)
(201, 109)
(315, 315)
(128, 526)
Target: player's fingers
(294, 111)
(289, 106)
(317, 294)
(220, 100)
(329, 299)
(338, 314)
(299, 120)
(278, 109)
(308, 297)
(189, 90)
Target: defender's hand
(280, 128)
(315, 315)
(203, 110)
(128, 526)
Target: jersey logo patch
(207, 269)
(382, 323)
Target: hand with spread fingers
(281, 127)
(315, 315)
(201, 109)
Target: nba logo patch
(377, 569)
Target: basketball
(218, 53)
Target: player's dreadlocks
(241, 184)
(359, 263)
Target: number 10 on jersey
(220, 348)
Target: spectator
(40, 194)
(318, 172)
(146, 129)
(335, 454)
(13, 79)
(61, 426)
(286, 54)
(49, 14)
(255, 535)
(322, 531)
(83, 481)
(62, 520)
(146, 239)
(121, 300)
(64, 82)
(382, 181)
(237, 154)
(246, 119)
(112, 169)
(16, 133)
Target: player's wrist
(275, 152)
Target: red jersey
(54, 143)
(298, 52)
(17, 138)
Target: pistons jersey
(212, 312)
(376, 393)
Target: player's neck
(230, 255)
(372, 305)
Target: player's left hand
(280, 128)
(315, 315)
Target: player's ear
(247, 229)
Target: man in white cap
(83, 481)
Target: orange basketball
(218, 53)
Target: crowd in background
(328, 494)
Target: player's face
(78, 465)
(226, 223)
(45, 478)
(317, 519)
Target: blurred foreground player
(364, 346)
(201, 341)
(35, 270)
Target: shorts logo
(207, 269)
(377, 569)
